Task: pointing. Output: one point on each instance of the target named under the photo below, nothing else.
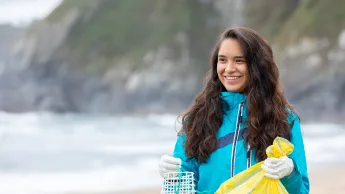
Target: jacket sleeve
(297, 181)
(188, 164)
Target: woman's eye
(239, 61)
(221, 59)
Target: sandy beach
(324, 179)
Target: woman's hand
(277, 168)
(168, 164)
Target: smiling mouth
(232, 77)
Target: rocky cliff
(151, 56)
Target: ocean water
(44, 153)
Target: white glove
(168, 164)
(277, 168)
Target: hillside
(151, 56)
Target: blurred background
(90, 90)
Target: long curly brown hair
(266, 104)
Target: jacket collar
(233, 98)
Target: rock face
(151, 56)
(314, 75)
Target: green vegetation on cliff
(285, 21)
(315, 18)
(109, 31)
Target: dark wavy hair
(266, 104)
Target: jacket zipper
(249, 159)
(237, 132)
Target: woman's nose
(229, 67)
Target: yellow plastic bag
(253, 180)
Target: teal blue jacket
(230, 156)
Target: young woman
(238, 114)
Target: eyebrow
(235, 57)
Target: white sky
(22, 12)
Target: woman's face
(232, 66)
